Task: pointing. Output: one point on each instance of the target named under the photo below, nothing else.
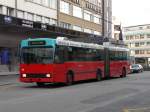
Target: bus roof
(66, 42)
(115, 48)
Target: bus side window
(60, 54)
(70, 54)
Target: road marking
(7, 86)
(137, 109)
(126, 110)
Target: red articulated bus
(46, 60)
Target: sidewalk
(8, 73)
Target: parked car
(136, 68)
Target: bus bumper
(31, 80)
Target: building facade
(87, 16)
(138, 40)
(81, 15)
(116, 28)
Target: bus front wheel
(69, 80)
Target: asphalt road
(115, 95)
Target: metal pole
(58, 8)
(103, 18)
(16, 8)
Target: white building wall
(9, 3)
(26, 6)
(37, 9)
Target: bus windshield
(37, 55)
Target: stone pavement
(9, 73)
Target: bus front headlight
(48, 75)
(24, 75)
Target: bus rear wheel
(69, 80)
(40, 84)
(123, 73)
(98, 75)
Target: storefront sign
(27, 23)
(7, 19)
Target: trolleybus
(46, 60)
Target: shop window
(1, 7)
(5, 56)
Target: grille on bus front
(36, 76)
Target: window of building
(30, 16)
(142, 43)
(148, 51)
(38, 1)
(65, 25)
(64, 7)
(141, 36)
(96, 33)
(77, 12)
(39, 18)
(137, 52)
(140, 28)
(148, 35)
(78, 28)
(96, 20)
(53, 22)
(87, 16)
(53, 4)
(20, 14)
(127, 37)
(29, 0)
(129, 45)
(87, 30)
(137, 44)
(45, 2)
(142, 51)
(46, 20)
(148, 43)
(10, 11)
(131, 37)
(148, 27)
(76, 1)
(137, 36)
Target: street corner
(144, 109)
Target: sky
(132, 12)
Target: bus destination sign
(37, 42)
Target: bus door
(106, 63)
(59, 66)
